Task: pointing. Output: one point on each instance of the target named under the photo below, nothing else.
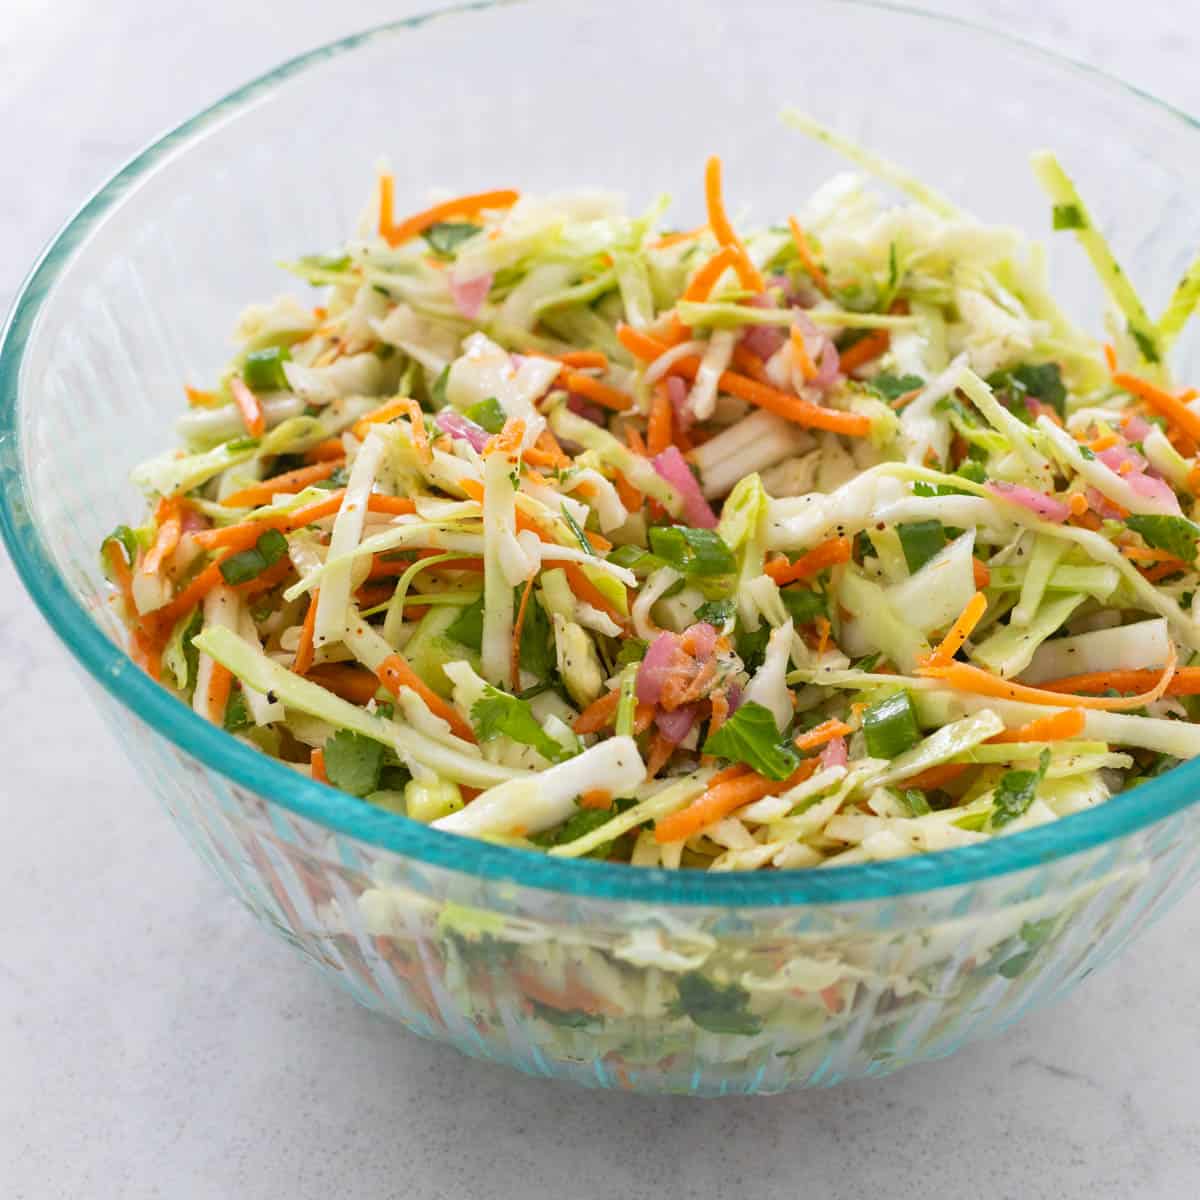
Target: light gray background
(154, 1043)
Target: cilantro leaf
(445, 237)
(1044, 382)
(692, 551)
(719, 1008)
(580, 823)
(920, 541)
(751, 646)
(632, 650)
(892, 387)
(487, 414)
(1176, 535)
(537, 641)
(804, 604)
(237, 715)
(750, 736)
(715, 612)
(1016, 791)
(496, 714)
(467, 627)
(353, 762)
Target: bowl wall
(478, 947)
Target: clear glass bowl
(582, 970)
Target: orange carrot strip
(720, 799)
(598, 714)
(629, 496)
(507, 441)
(1057, 727)
(1110, 357)
(589, 593)
(1175, 410)
(720, 711)
(187, 599)
(723, 231)
(660, 752)
(304, 651)
(809, 262)
(983, 575)
(682, 235)
(170, 526)
(934, 777)
(965, 678)
(350, 682)
(594, 389)
(201, 399)
(1185, 682)
(248, 406)
(791, 408)
(749, 363)
(800, 353)
(820, 734)
(387, 204)
(461, 206)
(706, 278)
(396, 407)
(395, 673)
(216, 699)
(658, 429)
(317, 763)
(958, 633)
(598, 798)
(325, 451)
(827, 554)
(287, 484)
(865, 350)
(514, 662)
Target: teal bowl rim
(109, 666)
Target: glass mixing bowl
(581, 970)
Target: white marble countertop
(154, 1043)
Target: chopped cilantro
(1016, 791)
(497, 714)
(715, 612)
(920, 541)
(804, 604)
(1176, 535)
(892, 387)
(237, 715)
(719, 1008)
(353, 762)
(445, 237)
(751, 736)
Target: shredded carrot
(325, 451)
(170, 525)
(387, 204)
(820, 734)
(674, 239)
(248, 405)
(983, 576)
(353, 683)
(720, 799)
(1105, 441)
(594, 390)
(1163, 571)
(395, 673)
(905, 400)
(216, 699)
(633, 440)
(1057, 727)
(461, 206)
(1077, 503)
(507, 441)
(514, 661)
(401, 406)
(198, 398)
(958, 633)
(272, 577)
(304, 650)
(582, 359)
(723, 231)
(720, 711)
(707, 277)
(1185, 682)
(1110, 357)
(317, 765)
(146, 651)
(809, 262)
(589, 593)
(749, 363)
(388, 568)
(1193, 479)
(791, 408)
(599, 714)
(1150, 554)
(935, 777)
(629, 496)
(827, 554)
(287, 484)
(824, 629)
(1175, 410)
(598, 798)
(184, 601)
(966, 678)
(800, 353)
(660, 753)
(865, 350)
(658, 429)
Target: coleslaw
(827, 542)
